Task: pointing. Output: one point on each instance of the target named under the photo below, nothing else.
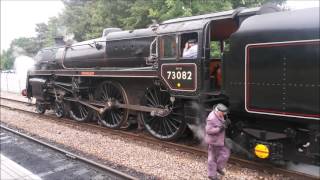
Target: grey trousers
(217, 159)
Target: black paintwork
(266, 64)
(116, 49)
(282, 69)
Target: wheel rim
(169, 127)
(79, 112)
(112, 92)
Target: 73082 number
(184, 75)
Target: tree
(42, 34)
(252, 3)
(107, 13)
(143, 12)
(19, 46)
(77, 20)
(86, 19)
(55, 28)
(7, 59)
(24, 46)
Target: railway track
(115, 173)
(16, 100)
(180, 147)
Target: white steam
(15, 81)
(22, 64)
(198, 128)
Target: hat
(192, 41)
(222, 108)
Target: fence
(12, 82)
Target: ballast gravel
(159, 162)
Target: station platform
(13, 171)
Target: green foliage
(86, 19)
(20, 46)
(54, 29)
(7, 59)
(77, 20)
(215, 49)
(42, 34)
(143, 12)
(25, 46)
(253, 3)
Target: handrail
(70, 46)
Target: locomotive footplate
(120, 72)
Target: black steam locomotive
(261, 62)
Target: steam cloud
(15, 82)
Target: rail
(110, 170)
(180, 147)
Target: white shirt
(192, 52)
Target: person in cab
(190, 49)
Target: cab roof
(197, 22)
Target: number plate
(180, 77)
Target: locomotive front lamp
(178, 85)
(261, 151)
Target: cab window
(168, 46)
(189, 45)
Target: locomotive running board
(95, 106)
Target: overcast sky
(19, 17)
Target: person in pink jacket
(218, 153)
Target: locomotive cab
(217, 34)
(216, 46)
(199, 72)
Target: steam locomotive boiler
(266, 69)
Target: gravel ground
(19, 106)
(160, 162)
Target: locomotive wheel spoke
(173, 125)
(150, 101)
(153, 99)
(114, 92)
(164, 124)
(169, 127)
(79, 112)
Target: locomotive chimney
(58, 40)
